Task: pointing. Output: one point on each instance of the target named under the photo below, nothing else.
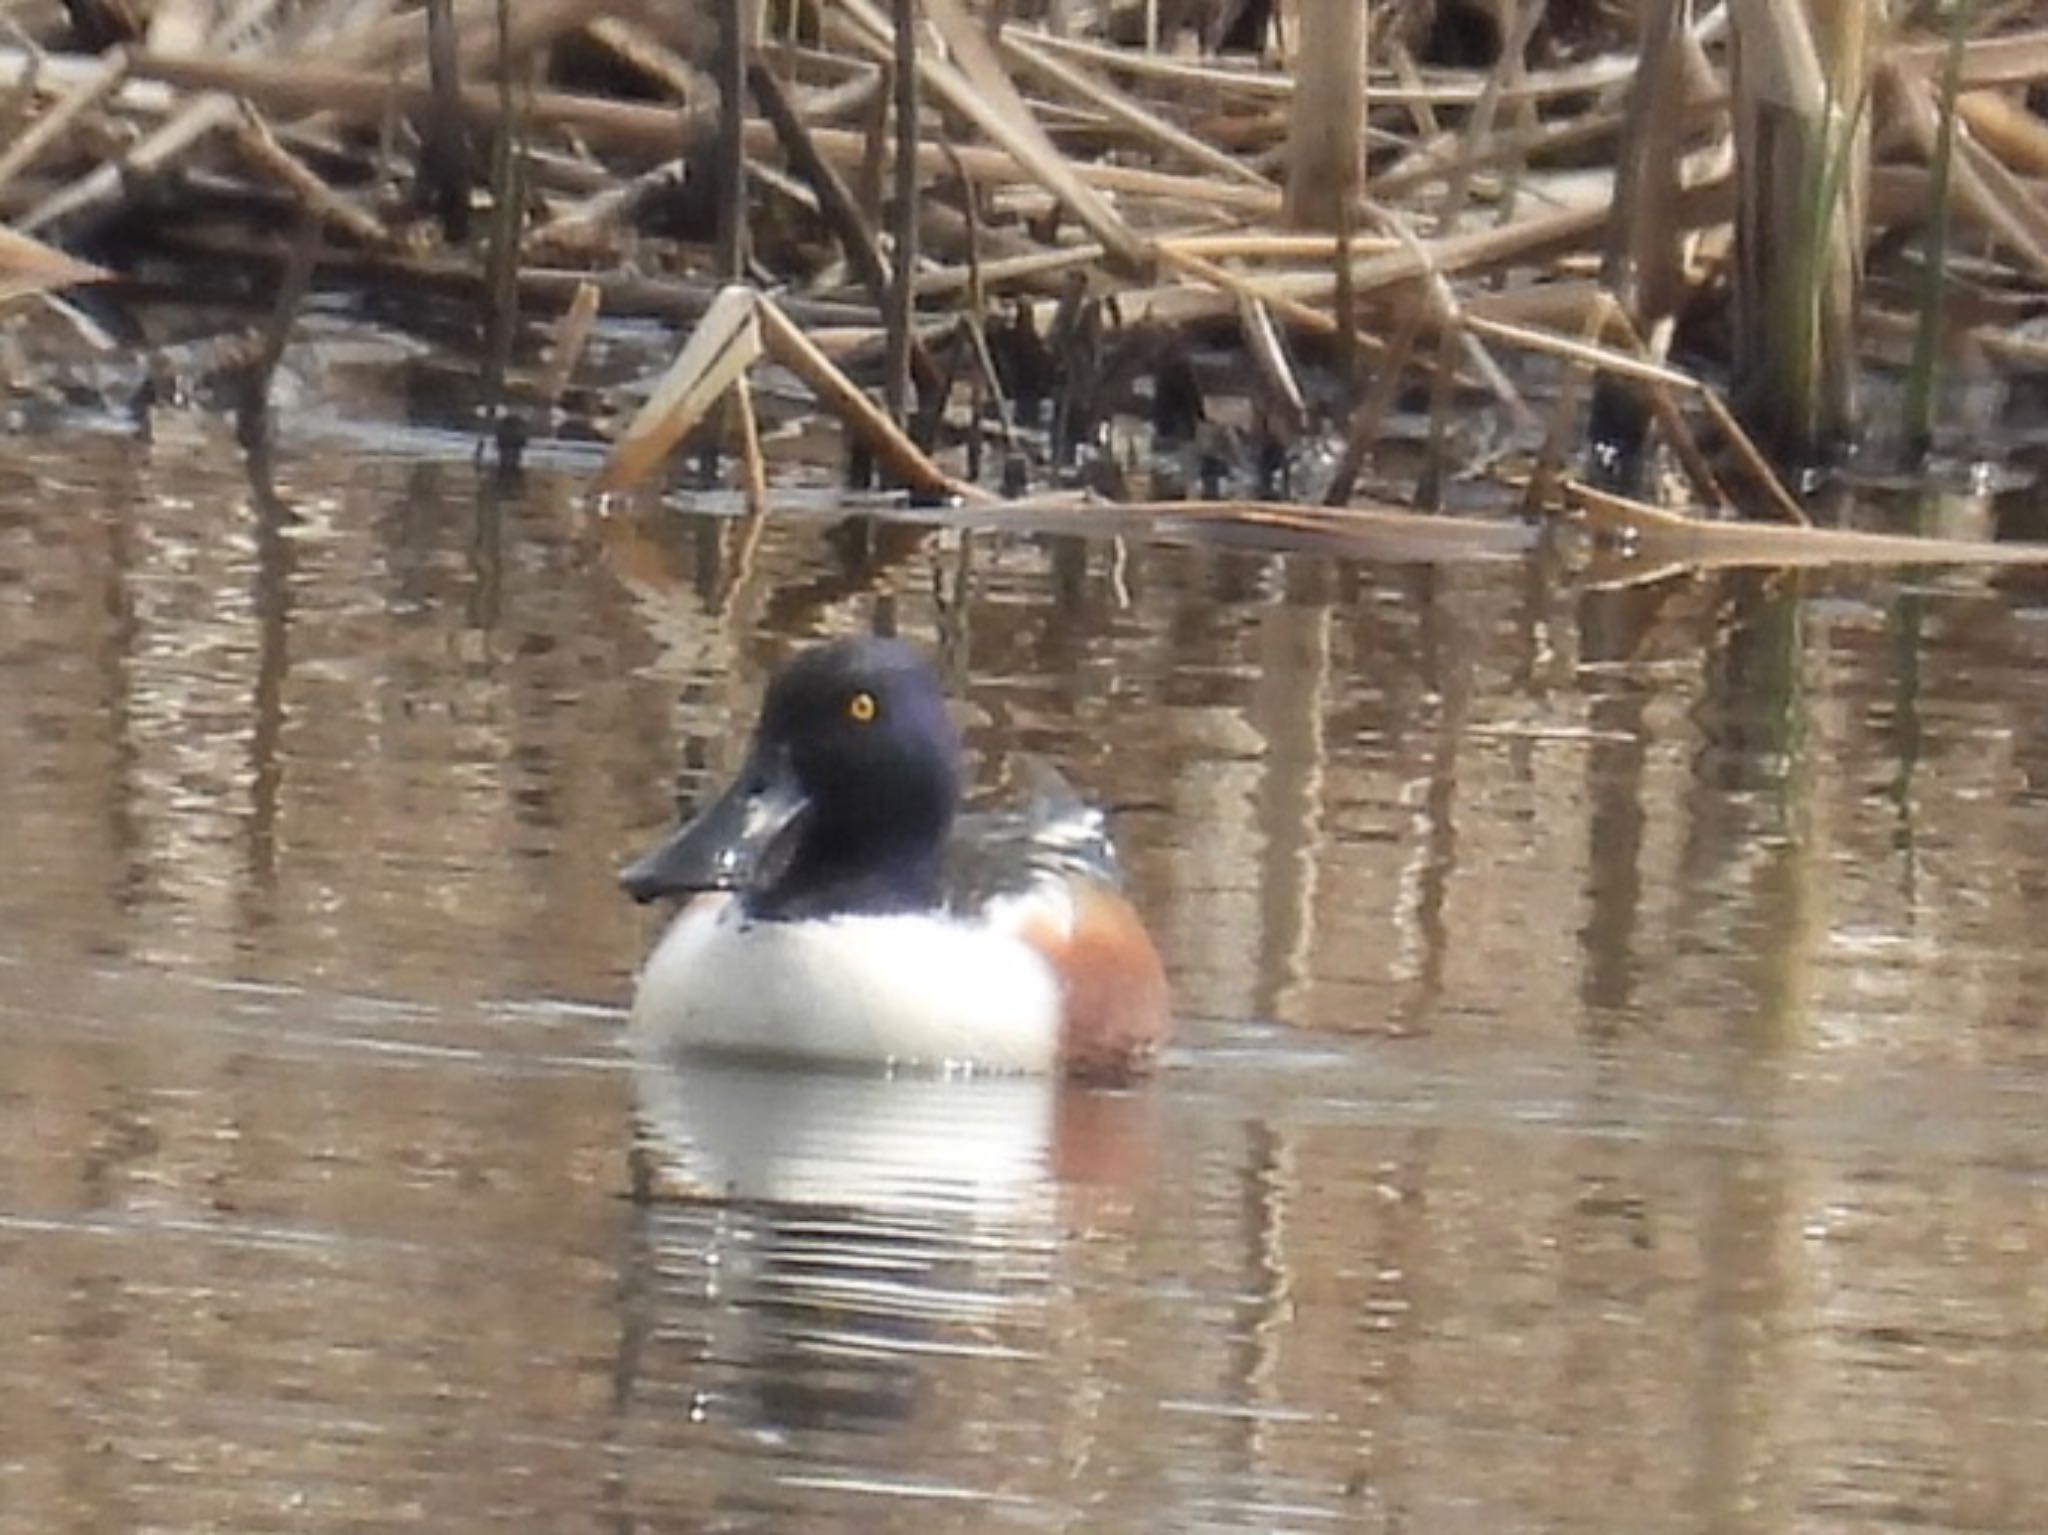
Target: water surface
(1609, 1093)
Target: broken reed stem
(1640, 264)
(508, 217)
(860, 415)
(647, 54)
(582, 227)
(1365, 421)
(2000, 202)
(1120, 108)
(254, 138)
(1326, 125)
(1801, 75)
(101, 190)
(1754, 459)
(976, 306)
(903, 290)
(18, 98)
(1429, 489)
(1234, 288)
(572, 335)
(51, 127)
(1564, 414)
(723, 345)
(1059, 152)
(1270, 364)
(731, 168)
(443, 183)
(1706, 485)
(636, 126)
(974, 83)
(836, 204)
(1478, 130)
(30, 266)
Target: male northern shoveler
(856, 918)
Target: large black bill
(727, 845)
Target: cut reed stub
(1801, 83)
(1326, 128)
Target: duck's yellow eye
(861, 708)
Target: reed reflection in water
(1608, 1095)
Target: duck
(839, 908)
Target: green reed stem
(1922, 377)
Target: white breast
(878, 990)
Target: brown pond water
(1612, 1091)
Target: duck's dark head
(845, 799)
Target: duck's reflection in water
(835, 1269)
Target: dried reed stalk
(1803, 150)
(49, 129)
(731, 156)
(571, 336)
(975, 85)
(901, 309)
(1326, 126)
(1147, 185)
(722, 347)
(28, 266)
